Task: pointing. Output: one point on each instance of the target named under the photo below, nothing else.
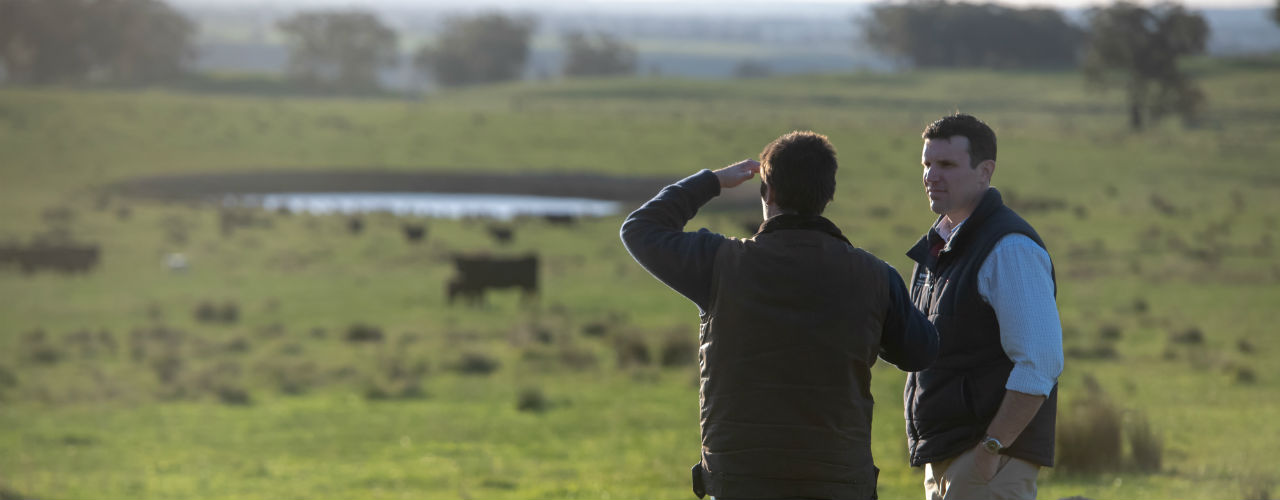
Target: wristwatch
(992, 445)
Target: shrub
(229, 394)
(7, 378)
(531, 399)
(476, 363)
(1245, 375)
(595, 329)
(1258, 488)
(632, 351)
(1190, 336)
(238, 345)
(577, 358)
(1146, 448)
(167, 368)
(206, 312)
(230, 312)
(678, 349)
(271, 331)
(1110, 332)
(361, 332)
(294, 378)
(1244, 346)
(1089, 436)
(44, 354)
(390, 390)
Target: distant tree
(1275, 12)
(482, 49)
(338, 50)
(1140, 47)
(935, 33)
(115, 41)
(597, 54)
(139, 41)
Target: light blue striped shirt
(1016, 280)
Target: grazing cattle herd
(475, 274)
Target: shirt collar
(945, 233)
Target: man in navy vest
(793, 318)
(981, 419)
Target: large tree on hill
(597, 54)
(1139, 47)
(484, 48)
(114, 41)
(936, 33)
(339, 50)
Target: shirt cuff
(1024, 379)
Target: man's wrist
(991, 445)
(705, 183)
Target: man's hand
(733, 175)
(985, 463)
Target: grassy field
(130, 382)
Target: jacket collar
(796, 221)
(991, 202)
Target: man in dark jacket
(793, 318)
(981, 419)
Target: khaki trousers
(956, 479)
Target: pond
(439, 205)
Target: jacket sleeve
(908, 340)
(654, 235)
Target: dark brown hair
(982, 140)
(801, 168)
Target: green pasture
(112, 387)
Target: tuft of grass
(1146, 448)
(1089, 436)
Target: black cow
(501, 234)
(414, 232)
(477, 273)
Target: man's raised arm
(654, 233)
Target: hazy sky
(706, 6)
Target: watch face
(991, 445)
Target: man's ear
(770, 196)
(986, 169)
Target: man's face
(954, 188)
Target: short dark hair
(801, 168)
(982, 140)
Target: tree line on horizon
(140, 42)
